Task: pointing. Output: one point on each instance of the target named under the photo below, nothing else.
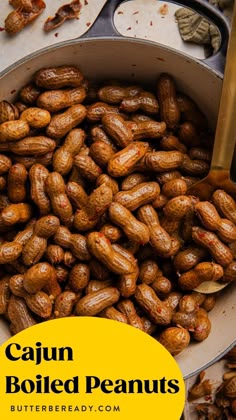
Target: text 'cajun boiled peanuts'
(116, 127)
(38, 175)
(101, 248)
(37, 277)
(156, 310)
(219, 251)
(62, 123)
(56, 100)
(36, 246)
(95, 302)
(164, 161)
(123, 161)
(141, 194)
(166, 94)
(55, 188)
(58, 77)
(133, 228)
(159, 238)
(174, 339)
(64, 156)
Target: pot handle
(104, 26)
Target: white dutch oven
(102, 54)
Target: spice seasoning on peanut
(95, 216)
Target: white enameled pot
(112, 57)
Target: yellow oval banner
(89, 368)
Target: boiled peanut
(4, 294)
(174, 187)
(36, 117)
(101, 248)
(219, 251)
(8, 112)
(122, 162)
(19, 314)
(17, 177)
(64, 304)
(144, 101)
(64, 156)
(147, 129)
(143, 193)
(56, 100)
(116, 127)
(5, 164)
(148, 271)
(114, 94)
(36, 246)
(164, 161)
(87, 167)
(96, 111)
(38, 175)
(126, 306)
(174, 339)
(29, 93)
(97, 203)
(14, 130)
(225, 204)
(62, 123)
(58, 77)
(133, 229)
(75, 242)
(159, 238)
(112, 313)
(55, 188)
(79, 277)
(95, 302)
(158, 312)
(171, 142)
(166, 95)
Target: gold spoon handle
(225, 136)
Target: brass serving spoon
(224, 144)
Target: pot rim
(37, 53)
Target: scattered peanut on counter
(95, 219)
